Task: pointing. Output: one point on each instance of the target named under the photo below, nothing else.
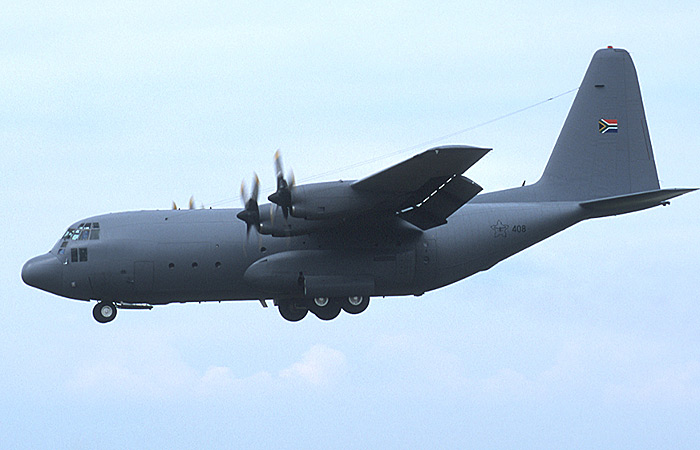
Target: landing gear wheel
(292, 311)
(325, 308)
(354, 305)
(104, 312)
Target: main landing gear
(293, 310)
(104, 312)
(325, 308)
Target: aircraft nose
(43, 272)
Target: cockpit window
(84, 232)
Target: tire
(292, 311)
(327, 312)
(354, 305)
(104, 312)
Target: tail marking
(607, 126)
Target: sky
(590, 339)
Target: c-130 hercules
(412, 228)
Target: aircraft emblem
(607, 126)
(499, 229)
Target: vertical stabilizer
(604, 148)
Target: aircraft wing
(412, 174)
(427, 188)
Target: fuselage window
(79, 254)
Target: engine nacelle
(273, 223)
(337, 199)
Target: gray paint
(350, 238)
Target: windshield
(85, 231)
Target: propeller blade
(278, 165)
(191, 205)
(174, 205)
(282, 197)
(256, 187)
(251, 213)
(292, 184)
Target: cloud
(319, 366)
(158, 371)
(591, 363)
(677, 384)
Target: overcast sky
(588, 340)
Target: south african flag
(607, 126)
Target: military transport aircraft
(411, 228)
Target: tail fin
(604, 148)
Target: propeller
(190, 205)
(282, 197)
(250, 214)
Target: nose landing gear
(104, 312)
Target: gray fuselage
(160, 257)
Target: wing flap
(448, 197)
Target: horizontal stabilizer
(621, 204)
